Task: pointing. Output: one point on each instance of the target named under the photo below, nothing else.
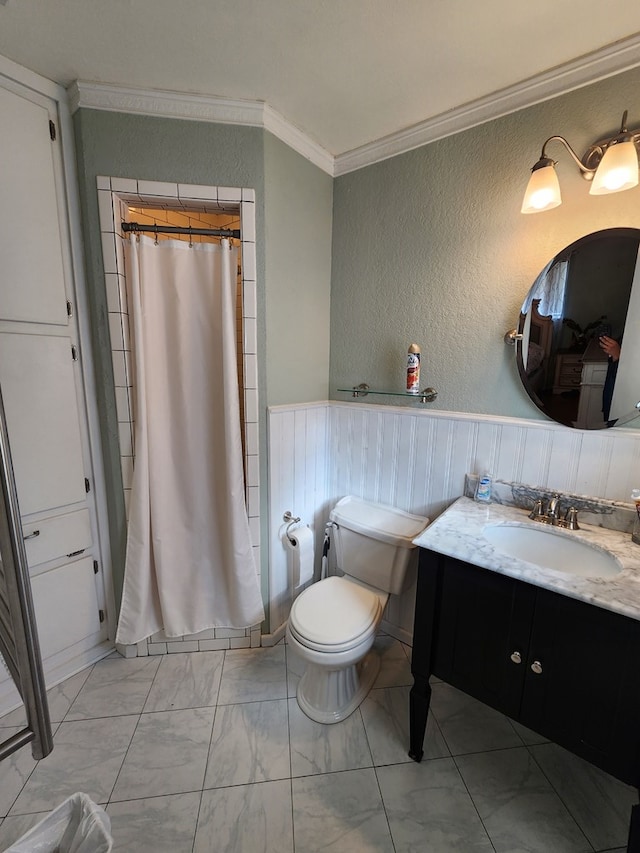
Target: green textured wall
(298, 201)
(430, 246)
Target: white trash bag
(77, 825)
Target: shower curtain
(189, 561)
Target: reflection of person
(612, 348)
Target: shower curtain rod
(136, 227)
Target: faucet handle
(571, 519)
(537, 511)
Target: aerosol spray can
(413, 369)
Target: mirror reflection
(578, 349)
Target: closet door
(38, 389)
(32, 262)
(53, 604)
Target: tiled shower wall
(196, 203)
(417, 460)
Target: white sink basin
(551, 549)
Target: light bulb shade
(543, 190)
(618, 169)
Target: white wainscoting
(298, 470)
(417, 460)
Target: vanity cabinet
(587, 696)
(564, 668)
(482, 618)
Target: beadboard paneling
(417, 460)
(298, 483)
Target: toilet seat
(334, 615)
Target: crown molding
(588, 69)
(25, 77)
(154, 102)
(298, 140)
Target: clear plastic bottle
(483, 489)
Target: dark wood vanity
(564, 668)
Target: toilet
(333, 623)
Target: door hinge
(69, 309)
(75, 553)
(101, 615)
(74, 352)
(96, 568)
(87, 485)
(52, 130)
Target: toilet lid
(334, 611)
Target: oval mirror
(577, 352)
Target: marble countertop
(457, 532)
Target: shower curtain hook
(190, 238)
(155, 228)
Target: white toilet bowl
(332, 628)
(332, 624)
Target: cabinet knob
(516, 657)
(536, 666)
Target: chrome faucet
(553, 516)
(553, 510)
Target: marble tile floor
(209, 752)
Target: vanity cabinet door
(581, 688)
(483, 634)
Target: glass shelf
(426, 395)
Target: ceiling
(346, 73)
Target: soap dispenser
(483, 488)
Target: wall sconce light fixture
(610, 164)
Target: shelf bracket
(428, 395)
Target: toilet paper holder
(290, 520)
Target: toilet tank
(374, 542)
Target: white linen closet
(43, 384)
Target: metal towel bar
(19, 644)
